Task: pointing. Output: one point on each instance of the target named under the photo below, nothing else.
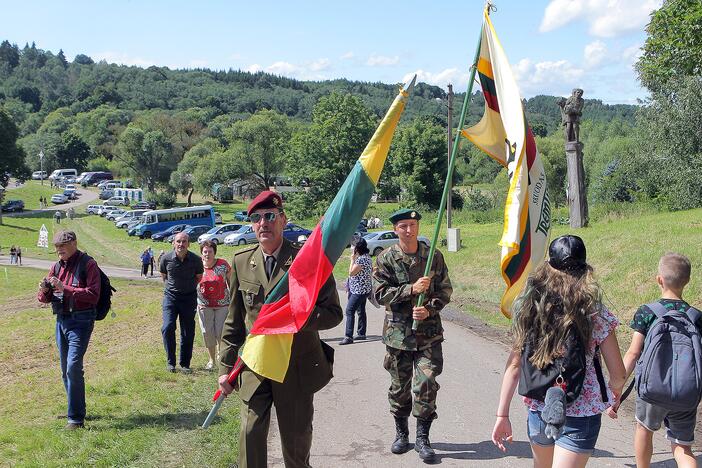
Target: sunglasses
(268, 216)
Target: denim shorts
(579, 433)
(680, 425)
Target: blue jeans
(72, 337)
(579, 433)
(182, 308)
(356, 302)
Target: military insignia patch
(288, 262)
(413, 214)
(249, 299)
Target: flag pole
(452, 164)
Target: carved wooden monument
(571, 111)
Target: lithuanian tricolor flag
(504, 134)
(266, 350)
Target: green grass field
(143, 416)
(30, 192)
(138, 414)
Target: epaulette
(296, 245)
(245, 250)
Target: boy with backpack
(667, 354)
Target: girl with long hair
(561, 302)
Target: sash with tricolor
(504, 134)
(287, 307)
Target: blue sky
(553, 45)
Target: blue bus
(160, 220)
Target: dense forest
(186, 130)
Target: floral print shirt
(213, 290)
(361, 283)
(589, 403)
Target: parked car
(381, 240)
(106, 194)
(161, 236)
(59, 198)
(114, 214)
(193, 233)
(70, 194)
(117, 201)
(134, 224)
(39, 175)
(11, 206)
(93, 209)
(128, 216)
(70, 187)
(245, 235)
(241, 216)
(103, 209)
(144, 205)
(94, 178)
(292, 232)
(218, 233)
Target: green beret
(404, 213)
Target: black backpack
(104, 302)
(567, 371)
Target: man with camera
(73, 295)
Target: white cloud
(121, 58)
(549, 77)
(347, 56)
(595, 53)
(307, 71)
(450, 75)
(382, 60)
(607, 18)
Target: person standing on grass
(212, 299)
(18, 254)
(360, 286)
(181, 271)
(57, 217)
(13, 255)
(151, 264)
(73, 296)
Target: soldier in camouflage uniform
(413, 359)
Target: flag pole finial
(490, 6)
(409, 85)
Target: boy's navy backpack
(567, 371)
(669, 372)
(105, 300)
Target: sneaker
(170, 368)
(346, 341)
(359, 337)
(74, 426)
(186, 370)
(209, 365)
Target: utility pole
(449, 145)
(41, 165)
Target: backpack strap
(658, 309)
(693, 315)
(600, 375)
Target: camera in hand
(46, 284)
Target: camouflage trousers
(418, 369)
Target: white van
(63, 173)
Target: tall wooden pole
(449, 144)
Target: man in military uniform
(414, 358)
(255, 272)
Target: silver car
(218, 233)
(245, 235)
(381, 240)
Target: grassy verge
(30, 192)
(138, 414)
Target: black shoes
(422, 444)
(401, 444)
(346, 341)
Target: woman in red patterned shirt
(212, 298)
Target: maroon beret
(265, 199)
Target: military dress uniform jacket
(393, 277)
(311, 359)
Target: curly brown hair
(554, 302)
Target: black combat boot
(422, 444)
(401, 444)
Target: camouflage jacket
(392, 286)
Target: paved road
(353, 426)
(111, 271)
(85, 196)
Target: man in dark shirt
(73, 295)
(181, 271)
